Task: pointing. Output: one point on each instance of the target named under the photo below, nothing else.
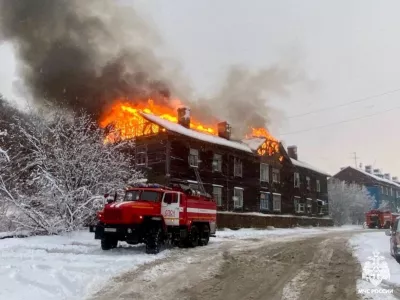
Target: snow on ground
(364, 244)
(250, 233)
(62, 267)
(73, 266)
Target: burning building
(250, 174)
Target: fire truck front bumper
(122, 232)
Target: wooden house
(383, 188)
(250, 175)
(308, 187)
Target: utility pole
(355, 157)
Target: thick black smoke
(83, 54)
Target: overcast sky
(348, 49)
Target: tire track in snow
(292, 290)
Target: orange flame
(270, 146)
(261, 132)
(128, 123)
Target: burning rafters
(127, 123)
(124, 121)
(270, 146)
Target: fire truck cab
(154, 214)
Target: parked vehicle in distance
(394, 234)
(378, 219)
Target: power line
(344, 104)
(341, 122)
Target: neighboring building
(382, 187)
(251, 175)
(308, 187)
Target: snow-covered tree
(64, 171)
(385, 205)
(348, 203)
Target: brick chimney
(292, 152)
(387, 176)
(377, 171)
(224, 130)
(395, 178)
(184, 116)
(368, 169)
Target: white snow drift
(62, 267)
(364, 245)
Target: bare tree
(63, 172)
(348, 203)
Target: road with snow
(319, 266)
(299, 263)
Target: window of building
(296, 180)
(194, 185)
(387, 191)
(321, 205)
(238, 197)
(237, 167)
(382, 190)
(276, 177)
(318, 186)
(194, 158)
(264, 173)
(141, 156)
(298, 207)
(264, 201)
(309, 205)
(217, 193)
(397, 194)
(276, 202)
(391, 192)
(308, 180)
(217, 163)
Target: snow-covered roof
(254, 143)
(377, 178)
(302, 164)
(174, 127)
(247, 145)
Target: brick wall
(254, 221)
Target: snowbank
(364, 245)
(258, 214)
(249, 233)
(62, 267)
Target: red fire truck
(378, 219)
(154, 214)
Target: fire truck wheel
(108, 243)
(193, 238)
(154, 242)
(204, 235)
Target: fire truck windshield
(142, 195)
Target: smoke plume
(83, 54)
(244, 98)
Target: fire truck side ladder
(198, 178)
